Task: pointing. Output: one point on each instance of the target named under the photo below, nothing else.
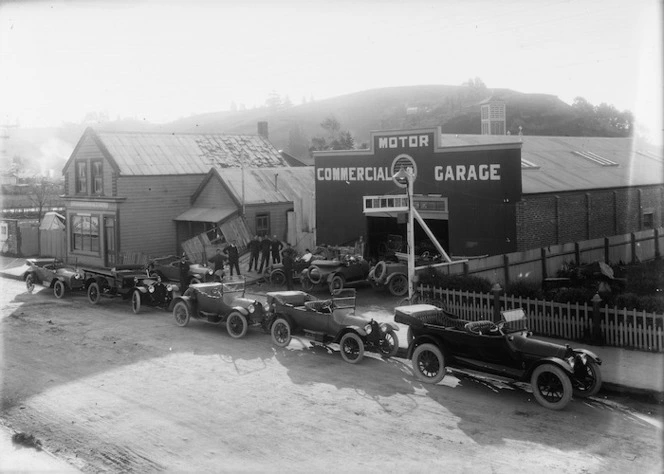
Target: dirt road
(110, 391)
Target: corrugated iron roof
(270, 185)
(560, 164)
(149, 153)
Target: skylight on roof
(595, 158)
(525, 164)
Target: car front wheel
(590, 380)
(389, 345)
(236, 325)
(429, 363)
(398, 285)
(281, 332)
(352, 348)
(181, 314)
(94, 295)
(30, 282)
(551, 387)
(59, 289)
(277, 277)
(136, 301)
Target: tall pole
(411, 236)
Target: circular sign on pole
(403, 162)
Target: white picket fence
(620, 327)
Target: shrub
(431, 277)
(525, 289)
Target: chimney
(262, 129)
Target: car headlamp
(77, 276)
(251, 308)
(151, 288)
(210, 272)
(169, 287)
(368, 329)
(383, 328)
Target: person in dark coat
(266, 246)
(289, 254)
(276, 246)
(254, 251)
(233, 257)
(184, 272)
(219, 261)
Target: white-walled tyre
(236, 325)
(281, 332)
(59, 289)
(551, 386)
(181, 314)
(352, 348)
(30, 282)
(428, 363)
(94, 293)
(136, 301)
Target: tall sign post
(406, 175)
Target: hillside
(454, 108)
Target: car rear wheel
(551, 387)
(236, 325)
(352, 348)
(181, 314)
(389, 345)
(277, 277)
(281, 332)
(136, 301)
(337, 284)
(30, 282)
(589, 382)
(59, 289)
(429, 363)
(398, 285)
(94, 294)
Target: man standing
(184, 272)
(289, 255)
(265, 253)
(219, 261)
(254, 249)
(233, 257)
(276, 249)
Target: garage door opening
(387, 235)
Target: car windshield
(233, 286)
(514, 319)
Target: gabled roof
(270, 185)
(150, 153)
(557, 164)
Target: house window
(85, 233)
(96, 177)
(263, 224)
(648, 220)
(81, 177)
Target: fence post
(496, 290)
(596, 333)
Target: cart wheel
(281, 332)
(94, 295)
(551, 386)
(236, 325)
(59, 289)
(429, 363)
(181, 313)
(30, 282)
(398, 285)
(352, 348)
(136, 301)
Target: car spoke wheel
(30, 283)
(94, 294)
(389, 345)
(589, 381)
(281, 332)
(59, 289)
(380, 271)
(181, 314)
(352, 348)
(277, 277)
(307, 284)
(551, 386)
(429, 363)
(399, 285)
(236, 325)
(136, 301)
(337, 284)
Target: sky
(163, 60)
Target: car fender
(142, 289)
(564, 365)
(589, 354)
(186, 300)
(389, 325)
(356, 329)
(425, 339)
(276, 315)
(241, 309)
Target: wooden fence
(572, 321)
(537, 264)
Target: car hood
(528, 345)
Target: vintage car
(393, 274)
(329, 321)
(506, 349)
(128, 282)
(276, 275)
(53, 273)
(168, 269)
(335, 273)
(220, 302)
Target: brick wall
(550, 219)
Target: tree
(273, 101)
(336, 138)
(41, 195)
